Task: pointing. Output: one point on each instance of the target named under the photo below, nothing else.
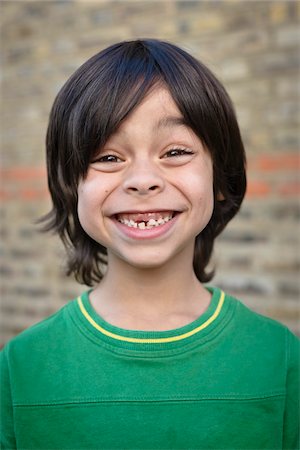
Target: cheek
(92, 201)
(87, 203)
(81, 208)
(205, 201)
(200, 188)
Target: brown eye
(108, 159)
(177, 152)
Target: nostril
(143, 189)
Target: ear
(220, 197)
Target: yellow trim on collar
(154, 340)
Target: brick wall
(253, 46)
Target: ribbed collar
(152, 342)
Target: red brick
(23, 173)
(5, 195)
(258, 188)
(290, 189)
(275, 163)
(33, 194)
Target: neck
(154, 295)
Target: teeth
(145, 225)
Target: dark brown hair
(91, 106)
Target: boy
(146, 166)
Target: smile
(145, 221)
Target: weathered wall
(253, 46)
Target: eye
(107, 159)
(175, 152)
(107, 162)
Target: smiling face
(149, 191)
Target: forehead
(157, 111)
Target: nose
(143, 179)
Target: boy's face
(149, 191)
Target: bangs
(106, 98)
(107, 88)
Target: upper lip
(146, 211)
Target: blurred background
(252, 46)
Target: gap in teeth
(144, 225)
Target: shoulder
(44, 334)
(253, 321)
(270, 337)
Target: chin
(146, 265)
(151, 261)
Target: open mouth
(145, 221)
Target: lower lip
(150, 233)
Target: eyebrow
(170, 122)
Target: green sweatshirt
(228, 380)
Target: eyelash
(173, 153)
(105, 159)
(178, 152)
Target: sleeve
(291, 416)
(7, 435)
